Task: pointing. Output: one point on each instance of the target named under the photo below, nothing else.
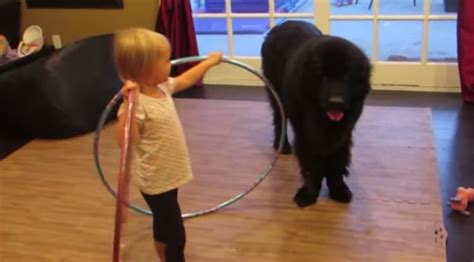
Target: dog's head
(334, 76)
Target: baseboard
(257, 84)
(417, 88)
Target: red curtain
(465, 33)
(175, 21)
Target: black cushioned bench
(61, 94)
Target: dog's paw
(305, 197)
(341, 193)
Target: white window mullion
(424, 40)
(388, 17)
(322, 9)
(205, 15)
(293, 15)
(375, 37)
(230, 29)
(248, 15)
(399, 17)
(350, 17)
(271, 7)
(443, 17)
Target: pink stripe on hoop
(121, 209)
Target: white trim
(230, 29)
(254, 15)
(351, 17)
(442, 17)
(408, 76)
(293, 15)
(271, 7)
(322, 10)
(379, 17)
(429, 75)
(223, 15)
(424, 38)
(417, 88)
(331, 17)
(375, 35)
(390, 17)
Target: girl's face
(161, 69)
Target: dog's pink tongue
(335, 115)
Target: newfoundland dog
(322, 81)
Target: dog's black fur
(315, 74)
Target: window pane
(442, 42)
(401, 7)
(248, 35)
(351, 7)
(210, 25)
(208, 6)
(358, 32)
(249, 6)
(282, 20)
(444, 6)
(400, 40)
(211, 35)
(294, 6)
(208, 43)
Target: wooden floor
(453, 127)
(51, 198)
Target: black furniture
(6, 64)
(10, 20)
(61, 94)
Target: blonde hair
(136, 51)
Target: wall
(74, 24)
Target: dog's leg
(277, 124)
(337, 165)
(312, 174)
(308, 192)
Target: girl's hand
(214, 58)
(130, 86)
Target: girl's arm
(191, 76)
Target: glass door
(412, 43)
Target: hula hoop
(123, 184)
(225, 203)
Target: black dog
(323, 82)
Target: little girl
(161, 158)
